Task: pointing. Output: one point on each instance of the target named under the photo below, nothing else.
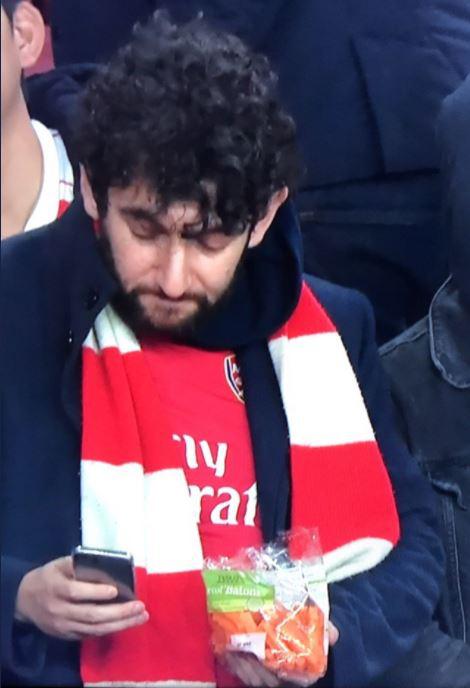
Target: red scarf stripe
(170, 683)
(301, 322)
(354, 499)
(140, 655)
(112, 430)
(63, 206)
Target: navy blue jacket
(363, 79)
(54, 283)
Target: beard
(130, 308)
(128, 304)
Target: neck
(22, 170)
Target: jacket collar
(449, 328)
(89, 287)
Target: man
(37, 177)
(160, 337)
(429, 365)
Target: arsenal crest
(233, 377)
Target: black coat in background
(364, 80)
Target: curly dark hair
(181, 106)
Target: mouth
(161, 309)
(167, 301)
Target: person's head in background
(23, 35)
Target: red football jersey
(203, 394)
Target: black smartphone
(106, 566)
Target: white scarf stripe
(354, 557)
(318, 387)
(108, 332)
(119, 519)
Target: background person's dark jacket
(364, 80)
(53, 285)
(429, 366)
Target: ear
(87, 195)
(277, 199)
(29, 33)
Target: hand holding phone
(52, 599)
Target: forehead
(138, 199)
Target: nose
(173, 273)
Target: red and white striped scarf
(135, 496)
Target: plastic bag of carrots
(273, 603)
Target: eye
(213, 240)
(209, 237)
(142, 228)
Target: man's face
(170, 270)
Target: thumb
(333, 633)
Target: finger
(250, 670)
(333, 633)
(79, 591)
(297, 679)
(92, 614)
(260, 673)
(97, 630)
(237, 667)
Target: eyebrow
(151, 214)
(140, 213)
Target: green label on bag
(236, 591)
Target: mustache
(160, 293)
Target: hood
(454, 131)
(52, 99)
(265, 292)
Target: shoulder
(349, 310)
(25, 293)
(21, 255)
(38, 261)
(408, 364)
(407, 354)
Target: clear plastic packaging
(273, 603)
